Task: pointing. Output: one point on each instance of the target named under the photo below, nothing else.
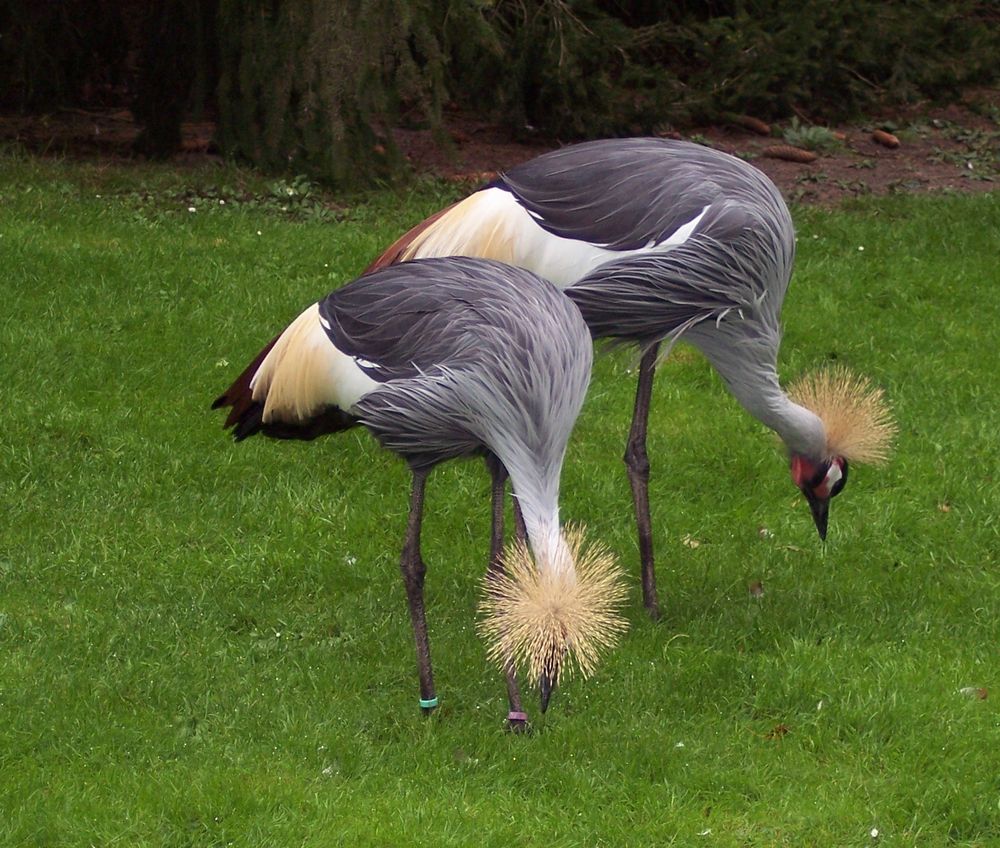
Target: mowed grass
(207, 644)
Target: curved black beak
(820, 508)
(546, 685)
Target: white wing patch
(304, 373)
(683, 232)
(492, 224)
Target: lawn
(207, 644)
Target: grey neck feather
(537, 493)
(748, 370)
(801, 430)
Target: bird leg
(517, 719)
(412, 566)
(520, 530)
(637, 465)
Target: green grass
(206, 644)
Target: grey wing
(658, 296)
(624, 194)
(404, 319)
(469, 351)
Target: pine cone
(885, 139)
(789, 153)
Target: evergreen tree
(315, 86)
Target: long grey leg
(637, 465)
(517, 719)
(520, 531)
(412, 566)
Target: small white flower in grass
(873, 833)
(259, 232)
(861, 247)
(679, 745)
(222, 202)
(192, 209)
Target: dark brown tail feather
(391, 254)
(246, 415)
(330, 420)
(238, 395)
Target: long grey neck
(801, 430)
(754, 382)
(537, 495)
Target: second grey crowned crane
(447, 358)
(656, 240)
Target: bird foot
(650, 597)
(517, 722)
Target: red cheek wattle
(802, 470)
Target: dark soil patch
(951, 148)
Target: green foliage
(315, 86)
(207, 644)
(547, 65)
(809, 137)
(590, 67)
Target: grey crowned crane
(656, 240)
(447, 358)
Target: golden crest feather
(858, 421)
(532, 615)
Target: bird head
(819, 482)
(857, 425)
(551, 618)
